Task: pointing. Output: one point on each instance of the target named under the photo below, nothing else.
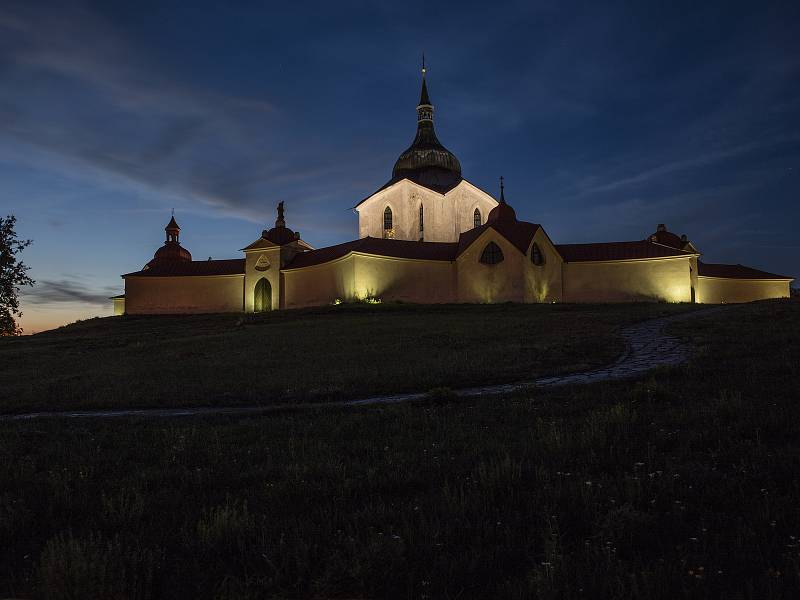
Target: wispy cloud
(68, 290)
(135, 121)
(693, 162)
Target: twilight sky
(604, 118)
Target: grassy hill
(326, 353)
(683, 484)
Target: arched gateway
(262, 296)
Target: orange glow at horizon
(43, 317)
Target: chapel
(428, 235)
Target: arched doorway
(262, 297)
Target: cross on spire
(423, 65)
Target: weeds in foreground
(683, 484)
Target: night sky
(604, 118)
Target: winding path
(648, 346)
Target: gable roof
(174, 268)
(260, 244)
(430, 182)
(519, 233)
(734, 272)
(617, 251)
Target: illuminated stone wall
(445, 215)
(667, 279)
(360, 276)
(397, 279)
(543, 282)
(175, 295)
(502, 282)
(320, 284)
(718, 290)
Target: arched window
(476, 218)
(421, 223)
(262, 296)
(387, 218)
(492, 254)
(537, 257)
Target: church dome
(172, 249)
(665, 237)
(427, 161)
(503, 211)
(280, 234)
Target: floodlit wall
(319, 284)
(185, 294)
(444, 216)
(405, 280)
(502, 282)
(119, 306)
(665, 279)
(360, 276)
(543, 282)
(720, 290)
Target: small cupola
(503, 211)
(173, 230)
(172, 249)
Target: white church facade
(430, 236)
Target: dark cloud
(73, 290)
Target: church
(430, 236)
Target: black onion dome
(427, 161)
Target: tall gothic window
(537, 257)
(421, 223)
(476, 218)
(387, 219)
(492, 254)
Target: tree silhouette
(13, 275)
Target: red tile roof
(518, 233)
(379, 247)
(734, 272)
(233, 266)
(616, 251)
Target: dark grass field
(683, 484)
(327, 353)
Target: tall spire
(424, 108)
(426, 161)
(502, 191)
